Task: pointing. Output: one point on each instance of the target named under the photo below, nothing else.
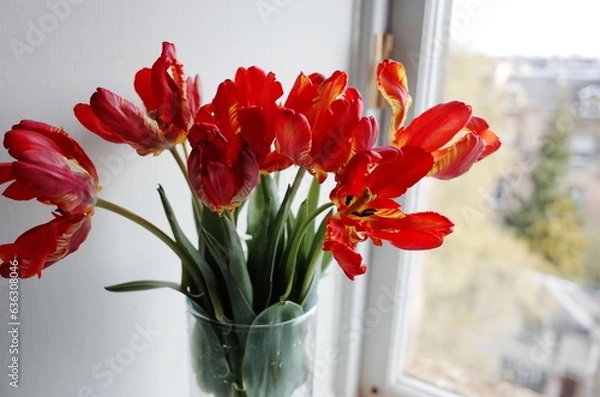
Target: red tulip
(222, 171)
(44, 245)
(53, 168)
(364, 196)
(334, 113)
(50, 166)
(171, 101)
(247, 106)
(435, 127)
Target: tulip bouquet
(258, 253)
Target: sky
(528, 27)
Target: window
(509, 305)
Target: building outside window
(509, 305)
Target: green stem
(297, 238)
(183, 167)
(186, 151)
(297, 182)
(185, 259)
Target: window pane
(510, 305)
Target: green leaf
(309, 279)
(290, 258)
(262, 206)
(232, 265)
(230, 244)
(211, 364)
(264, 253)
(276, 360)
(212, 283)
(313, 195)
(142, 285)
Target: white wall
(69, 324)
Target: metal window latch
(383, 46)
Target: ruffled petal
(44, 245)
(294, 137)
(458, 158)
(393, 85)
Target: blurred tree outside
(547, 218)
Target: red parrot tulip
(334, 113)
(435, 127)
(43, 245)
(52, 167)
(171, 102)
(222, 172)
(247, 106)
(364, 196)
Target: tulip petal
(458, 158)
(226, 106)
(119, 121)
(302, 96)
(43, 245)
(480, 127)
(294, 136)
(142, 84)
(61, 142)
(349, 260)
(341, 243)
(364, 134)
(257, 88)
(393, 85)
(393, 178)
(254, 128)
(193, 93)
(222, 173)
(435, 127)
(170, 89)
(418, 231)
(51, 167)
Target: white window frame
(374, 310)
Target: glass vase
(235, 360)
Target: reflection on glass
(510, 305)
